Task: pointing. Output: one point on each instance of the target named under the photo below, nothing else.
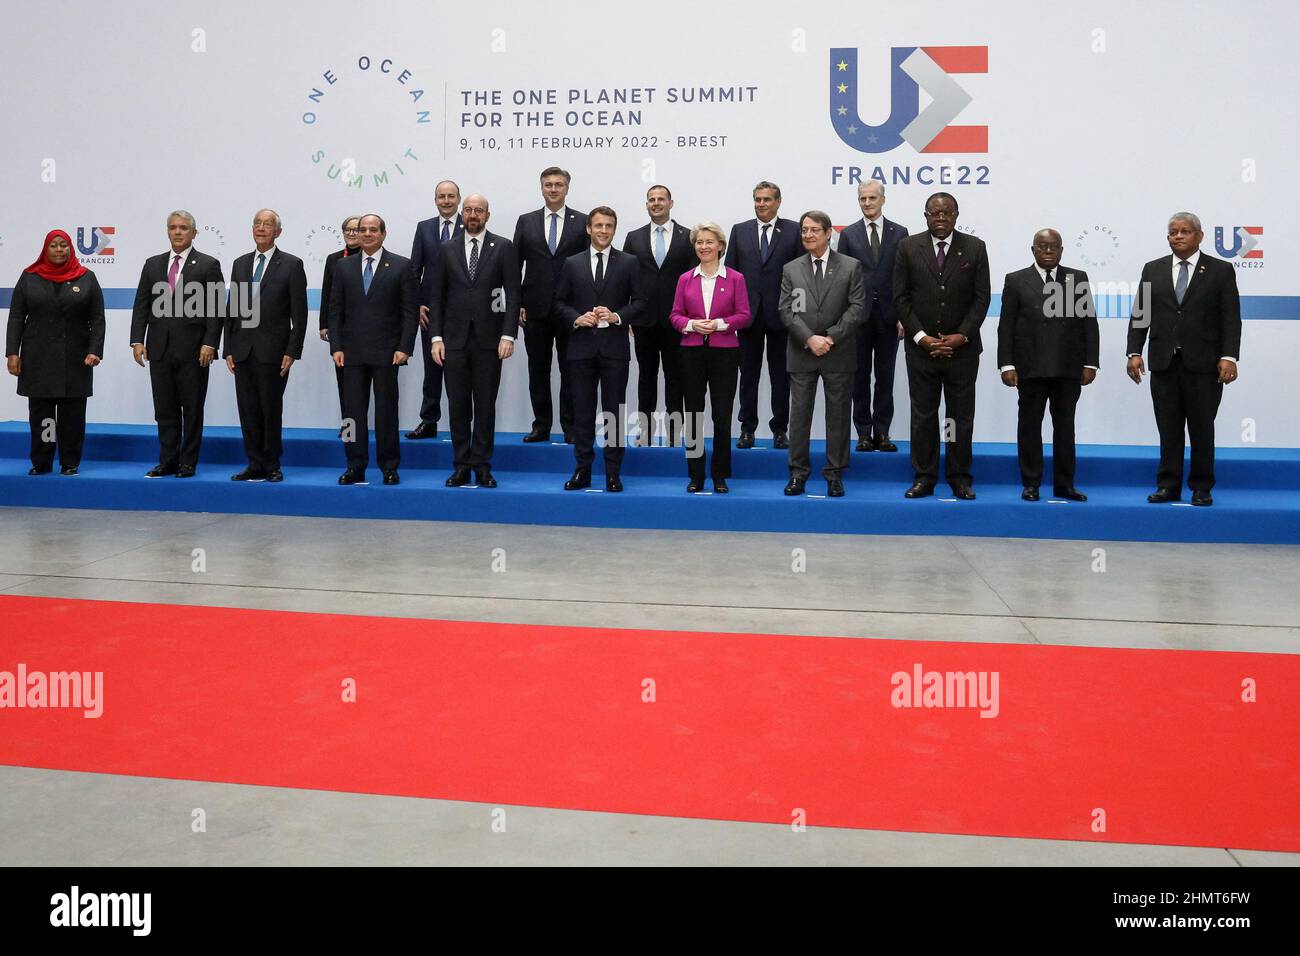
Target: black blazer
(763, 279)
(368, 329)
(179, 335)
(281, 309)
(326, 281)
(620, 292)
(53, 326)
(955, 301)
(659, 283)
(877, 274)
(1037, 342)
(459, 304)
(424, 253)
(541, 269)
(1206, 327)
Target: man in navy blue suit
(599, 297)
(430, 234)
(872, 240)
(759, 250)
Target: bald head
(1047, 248)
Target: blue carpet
(1257, 499)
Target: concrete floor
(918, 588)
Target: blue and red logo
(1244, 244)
(101, 241)
(912, 69)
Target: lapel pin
(76, 288)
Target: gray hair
(872, 182)
(278, 223)
(1191, 217)
(183, 214)
(713, 229)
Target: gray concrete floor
(916, 588)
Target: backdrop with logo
(1097, 119)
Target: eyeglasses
(351, 229)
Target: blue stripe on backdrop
(1255, 307)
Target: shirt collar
(379, 254)
(879, 221)
(1191, 260)
(592, 250)
(721, 273)
(562, 212)
(269, 253)
(184, 253)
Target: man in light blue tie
(430, 234)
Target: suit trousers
(473, 376)
(541, 333)
(838, 390)
(259, 394)
(1035, 393)
(357, 383)
(955, 379)
(180, 387)
(715, 370)
(610, 375)
(338, 377)
(752, 340)
(68, 416)
(431, 402)
(873, 409)
(656, 344)
(1190, 400)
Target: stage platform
(1257, 499)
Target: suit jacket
(659, 283)
(460, 304)
(53, 326)
(763, 279)
(327, 280)
(368, 329)
(730, 304)
(835, 312)
(1041, 344)
(541, 269)
(877, 274)
(620, 292)
(281, 309)
(1206, 327)
(176, 334)
(955, 301)
(424, 253)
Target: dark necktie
(446, 230)
(473, 259)
(875, 243)
(941, 257)
(1048, 279)
(368, 274)
(764, 247)
(261, 263)
(600, 269)
(1180, 289)
(817, 276)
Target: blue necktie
(553, 240)
(257, 273)
(659, 246)
(368, 274)
(764, 247)
(446, 230)
(1180, 289)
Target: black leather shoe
(351, 477)
(613, 483)
(866, 444)
(919, 490)
(1164, 495)
(160, 471)
(964, 493)
(537, 435)
(720, 486)
(275, 475)
(692, 488)
(248, 474)
(834, 488)
(795, 486)
(780, 441)
(568, 439)
(45, 470)
(423, 430)
(1069, 494)
(1030, 493)
(746, 440)
(68, 470)
(391, 477)
(581, 479)
(884, 444)
(459, 478)
(1202, 499)
(483, 478)
(184, 471)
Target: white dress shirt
(707, 284)
(563, 213)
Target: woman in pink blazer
(710, 306)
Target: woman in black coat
(351, 246)
(54, 341)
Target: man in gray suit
(822, 299)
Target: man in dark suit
(599, 298)
(941, 292)
(873, 241)
(1048, 349)
(473, 323)
(1190, 305)
(759, 250)
(664, 250)
(822, 301)
(176, 328)
(266, 322)
(543, 240)
(373, 317)
(430, 234)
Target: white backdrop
(1102, 119)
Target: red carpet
(744, 727)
